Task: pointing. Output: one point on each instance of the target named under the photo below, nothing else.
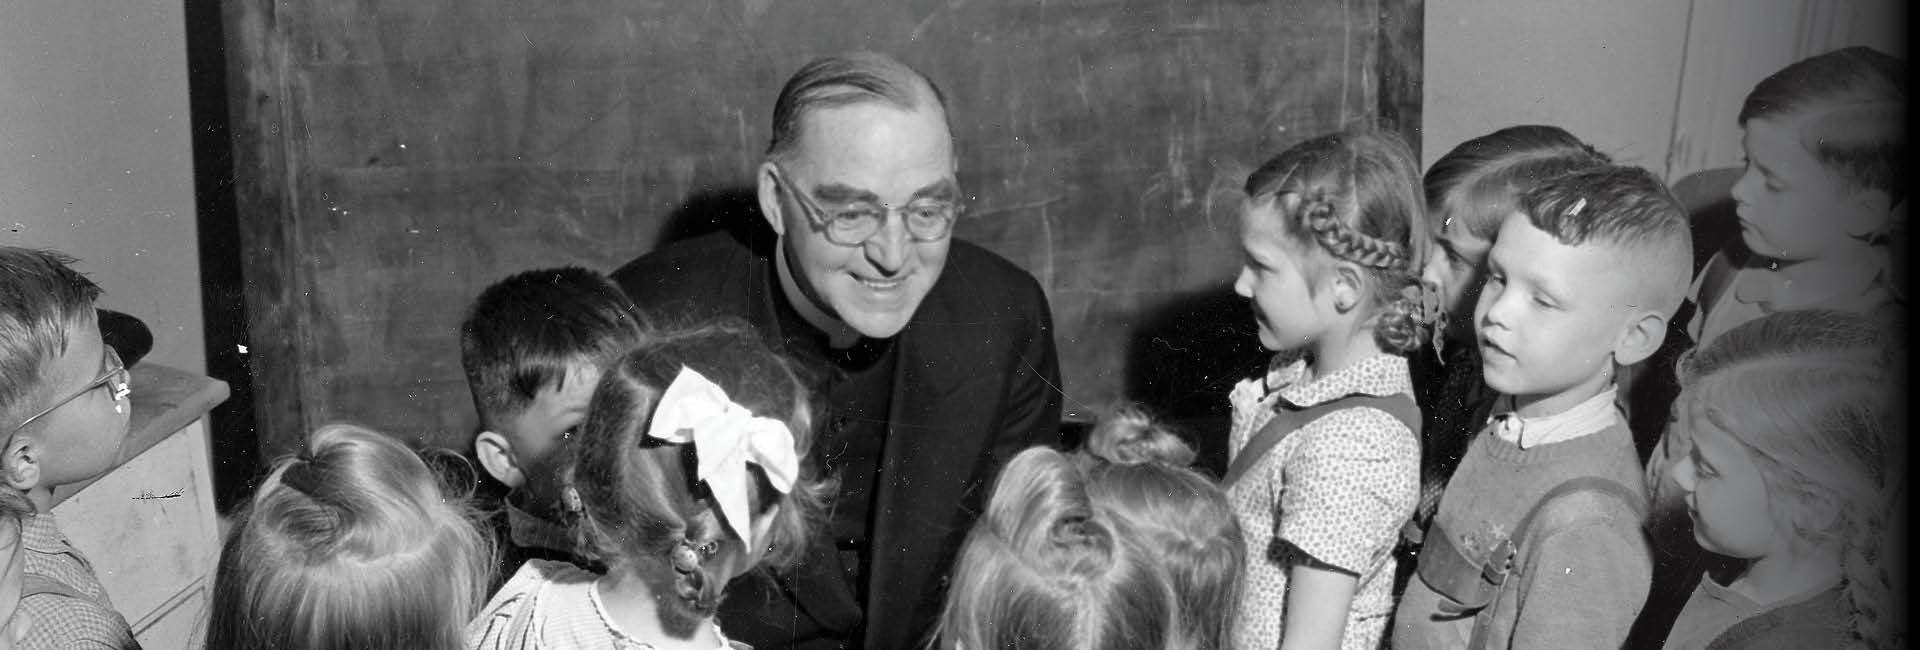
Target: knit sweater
(1582, 573)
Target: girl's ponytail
(1128, 436)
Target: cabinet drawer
(149, 528)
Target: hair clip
(1577, 207)
(570, 500)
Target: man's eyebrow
(839, 193)
(944, 189)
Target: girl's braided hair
(1814, 396)
(1356, 196)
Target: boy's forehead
(570, 392)
(1775, 144)
(1521, 245)
(84, 356)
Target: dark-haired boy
(1537, 542)
(534, 345)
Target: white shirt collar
(1596, 413)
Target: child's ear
(1348, 288)
(1869, 212)
(20, 467)
(768, 192)
(495, 452)
(1641, 339)
(1812, 510)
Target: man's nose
(888, 249)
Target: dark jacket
(977, 381)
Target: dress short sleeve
(1350, 486)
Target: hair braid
(1355, 195)
(1869, 575)
(1343, 241)
(1865, 582)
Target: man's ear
(20, 466)
(768, 191)
(495, 452)
(1641, 339)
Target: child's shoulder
(64, 615)
(515, 616)
(537, 574)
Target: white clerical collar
(839, 335)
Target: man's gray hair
(842, 80)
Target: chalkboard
(393, 157)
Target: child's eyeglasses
(116, 379)
(927, 220)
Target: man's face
(1549, 314)
(1790, 206)
(84, 434)
(540, 432)
(866, 155)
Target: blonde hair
(1116, 546)
(1812, 395)
(354, 543)
(1360, 203)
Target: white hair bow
(726, 436)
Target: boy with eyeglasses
(64, 406)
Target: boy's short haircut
(523, 333)
(1625, 208)
(42, 301)
(1478, 181)
(1856, 99)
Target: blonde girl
(1117, 546)
(1325, 462)
(1798, 473)
(354, 543)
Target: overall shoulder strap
(1287, 420)
(1508, 551)
(1399, 405)
(1569, 488)
(35, 584)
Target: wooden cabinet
(149, 526)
